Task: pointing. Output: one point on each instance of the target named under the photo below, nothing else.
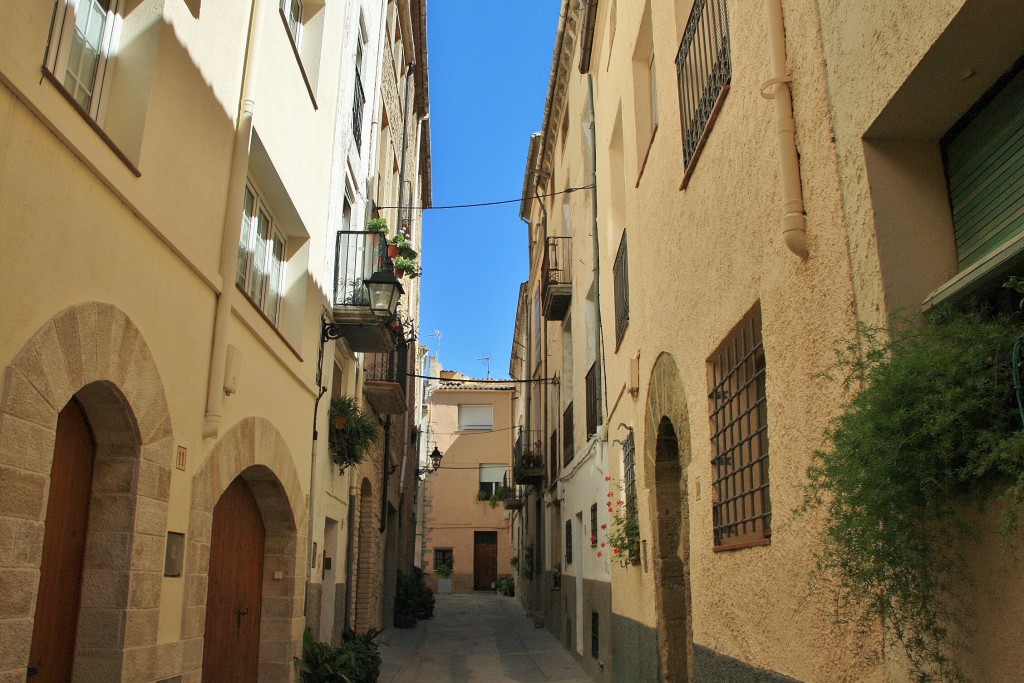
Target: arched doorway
(55, 628)
(235, 589)
(667, 457)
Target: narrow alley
(476, 637)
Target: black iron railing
(704, 72)
(593, 400)
(528, 463)
(621, 279)
(358, 256)
(391, 366)
(557, 266)
(358, 102)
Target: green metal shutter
(985, 167)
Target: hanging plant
(624, 535)
(930, 431)
(377, 225)
(407, 266)
(352, 432)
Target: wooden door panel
(60, 582)
(485, 560)
(234, 595)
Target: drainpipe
(794, 221)
(233, 226)
(402, 206)
(598, 334)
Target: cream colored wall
(80, 227)
(699, 259)
(453, 512)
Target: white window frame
(294, 22)
(477, 425)
(62, 40)
(492, 477)
(251, 246)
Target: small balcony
(557, 275)
(385, 379)
(511, 496)
(528, 463)
(359, 255)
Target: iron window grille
(739, 437)
(358, 102)
(629, 470)
(568, 542)
(704, 72)
(553, 455)
(593, 395)
(621, 276)
(593, 525)
(568, 442)
(443, 556)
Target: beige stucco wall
(452, 512)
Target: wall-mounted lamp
(435, 463)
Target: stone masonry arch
(94, 353)
(667, 457)
(253, 449)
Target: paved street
(480, 637)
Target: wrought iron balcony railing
(359, 255)
(385, 378)
(556, 272)
(528, 464)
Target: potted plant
(444, 578)
(351, 432)
(377, 225)
(399, 245)
(406, 266)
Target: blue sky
(489, 68)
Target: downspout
(402, 206)
(598, 328)
(232, 226)
(794, 221)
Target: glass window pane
(276, 278)
(245, 239)
(261, 248)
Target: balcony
(557, 277)
(359, 255)
(384, 380)
(528, 464)
(511, 496)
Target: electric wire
(518, 200)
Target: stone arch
(254, 450)
(667, 457)
(94, 353)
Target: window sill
(48, 75)
(647, 154)
(298, 58)
(741, 546)
(269, 322)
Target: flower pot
(340, 421)
(399, 272)
(392, 251)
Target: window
(621, 274)
(629, 470)
(293, 16)
(261, 256)
(83, 38)
(739, 437)
(593, 395)
(476, 417)
(359, 96)
(568, 542)
(492, 478)
(704, 72)
(645, 103)
(443, 556)
(568, 445)
(595, 635)
(593, 525)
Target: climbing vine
(930, 430)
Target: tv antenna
(487, 360)
(436, 334)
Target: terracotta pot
(392, 251)
(340, 421)
(399, 272)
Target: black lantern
(435, 459)
(385, 291)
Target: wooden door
(234, 594)
(60, 581)
(485, 560)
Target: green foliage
(377, 225)
(443, 570)
(505, 585)
(408, 265)
(405, 249)
(515, 563)
(929, 431)
(413, 599)
(624, 533)
(356, 660)
(349, 444)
